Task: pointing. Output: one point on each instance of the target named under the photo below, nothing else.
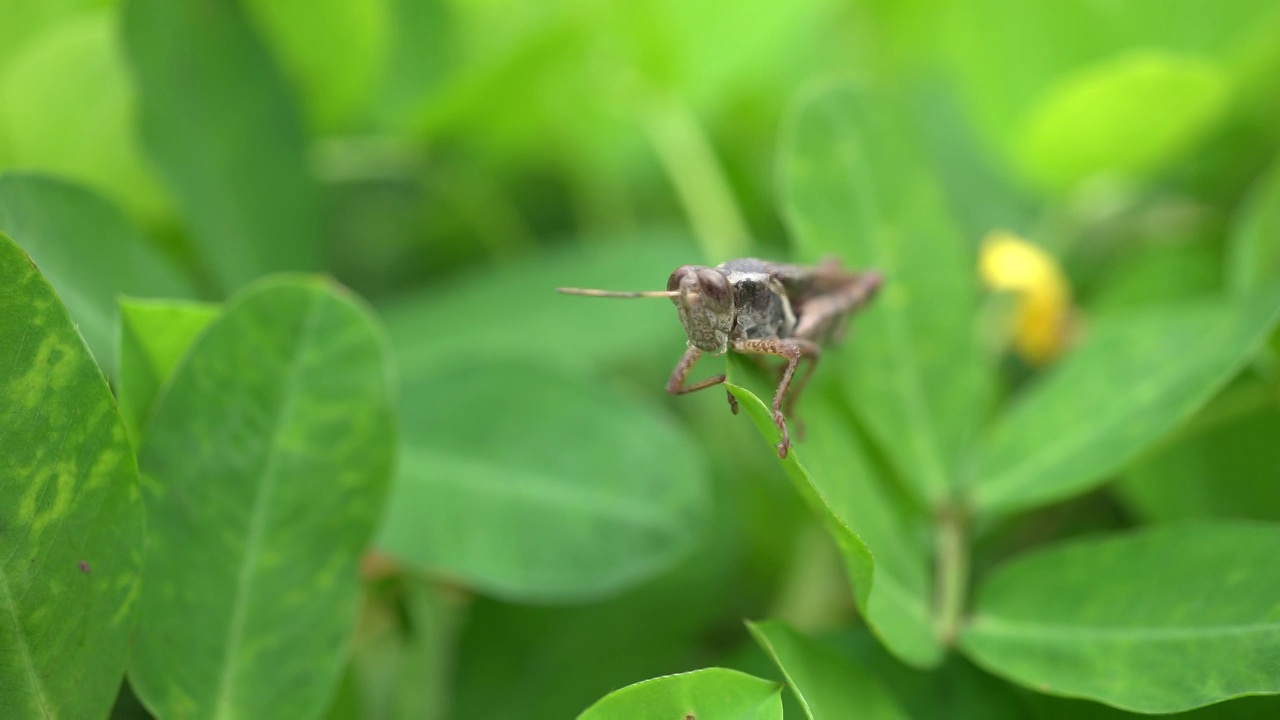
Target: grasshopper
(761, 308)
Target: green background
(293, 424)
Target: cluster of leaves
(229, 478)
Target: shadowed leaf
(827, 684)
(218, 123)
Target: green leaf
(956, 689)
(473, 316)
(24, 22)
(1002, 70)
(66, 107)
(1223, 464)
(1132, 114)
(71, 517)
(1160, 620)
(1253, 257)
(266, 465)
(893, 591)
(1066, 433)
(154, 335)
(420, 48)
(218, 122)
(510, 658)
(1049, 707)
(710, 694)
(87, 250)
(529, 484)
(856, 188)
(827, 684)
(334, 52)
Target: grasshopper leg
(676, 386)
(793, 350)
(793, 395)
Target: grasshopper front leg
(676, 386)
(793, 349)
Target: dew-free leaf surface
(71, 516)
(219, 124)
(87, 250)
(1134, 378)
(710, 694)
(1158, 620)
(888, 573)
(266, 464)
(856, 188)
(529, 484)
(827, 684)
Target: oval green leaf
(154, 335)
(856, 188)
(1130, 114)
(1068, 432)
(532, 485)
(1157, 621)
(266, 465)
(220, 126)
(894, 590)
(827, 684)
(71, 517)
(88, 251)
(710, 694)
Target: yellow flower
(1042, 324)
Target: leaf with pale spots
(71, 517)
(1158, 621)
(710, 694)
(266, 464)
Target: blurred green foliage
(540, 529)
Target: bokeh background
(455, 161)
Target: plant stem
(952, 567)
(700, 182)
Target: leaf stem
(952, 568)
(690, 162)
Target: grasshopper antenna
(616, 294)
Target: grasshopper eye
(715, 286)
(677, 277)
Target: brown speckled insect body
(757, 307)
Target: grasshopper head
(705, 303)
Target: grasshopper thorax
(705, 304)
